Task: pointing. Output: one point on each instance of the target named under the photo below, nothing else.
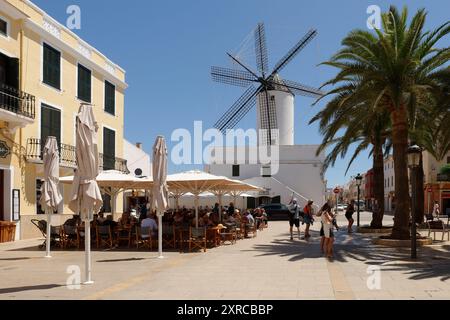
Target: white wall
(136, 158)
(299, 169)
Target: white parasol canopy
(198, 182)
(50, 194)
(86, 197)
(113, 182)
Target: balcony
(67, 156)
(443, 177)
(16, 107)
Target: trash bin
(7, 231)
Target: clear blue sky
(167, 48)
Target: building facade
(437, 185)
(389, 184)
(299, 173)
(139, 164)
(46, 72)
(368, 189)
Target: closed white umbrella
(50, 194)
(160, 190)
(86, 197)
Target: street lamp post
(413, 162)
(358, 179)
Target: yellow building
(46, 71)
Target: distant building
(437, 186)
(368, 189)
(389, 187)
(139, 164)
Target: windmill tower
(273, 95)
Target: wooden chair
(169, 236)
(104, 236)
(70, 237)
(251, 228)
(228, 234)
(144, 237)
(197, 238)
(438, 226)
(123, 234)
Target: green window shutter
(109, 149)
(84, 83)
(110, 98)
(52, 67)
(50, 123)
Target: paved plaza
(269, 266)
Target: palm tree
(400, 65)
(363, 128)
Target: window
(84, 83)
(39, 183)
(392, 181)
(109, 149)
(52, 67)
(110, 98)
(3, 27)
(50, 123)
(236, 170)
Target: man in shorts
(294, 218)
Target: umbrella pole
(160, 236)
(48, 234)
(87, 251)
(196, 210)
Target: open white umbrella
(198, 182)
(114, 182)
(86, 197)
(160, 190)
(50, 194)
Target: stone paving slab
(269, 266)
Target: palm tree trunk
(378, 185)
(400, 146)
(420, 211)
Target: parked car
(276, 211)
(362, 205)
(341, 207)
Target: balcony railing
(67, 156)
(443, 177)
(112, 163)
(16, 101)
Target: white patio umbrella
(198, 182)
(50, 194)
(113, 182)
(86, 197)
(160, 190)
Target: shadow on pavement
(432, 261)
(30, 288)
(122, 260)
(15, 259)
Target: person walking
(294, 218)
(436, 210)
(325, 208)
(308, 218)
(349, 214)
(327, 222)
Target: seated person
(178, 218)
(101, 218)
(150, 221)
(125, 220)
(74, 221)
(110, 222)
